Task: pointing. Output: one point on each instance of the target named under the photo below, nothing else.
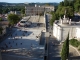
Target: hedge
(74, 42)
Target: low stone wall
(40, 37)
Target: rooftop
(66, 22)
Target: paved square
(24, 42)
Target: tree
(1, 30)
(61, 11)
(77, 5)
(5, 10)
(65, 49)
(70, 11)
(47, 4)
(23, 11)
(62, 3)
(53, 18)
(67, 5)
(66, 2)
(0, 10)
(67, 45)
(0, 19)
(13, 18)
(74, 42)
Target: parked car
(22, 23)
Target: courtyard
(24, 42)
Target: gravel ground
(73, 52)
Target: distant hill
(53, 4)
(22, 4)
(10, 4)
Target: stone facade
(62, 27)
(36, 10)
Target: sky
(23, 1)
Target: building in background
(4, 25)
(37, 10)
(62, 27)
(31, 10)
(49, 8)
(15, 12)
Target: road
(54, 47)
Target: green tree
(66, 2)
(61, 3)
(23, 11)
(5, 10)
(1, 10)
(61, 11)
(67, 5)
(0, 19)
(13, 18)
(67, 45)
(70, 11)
(74, 42)
(47, 4)
(1, 30)
(53, 18)
(76, 5)
(65, 49)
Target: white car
(22, 23)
